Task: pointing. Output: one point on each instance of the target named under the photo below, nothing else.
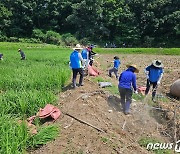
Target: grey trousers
(115, 72)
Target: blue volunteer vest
(74, 59)
(84, 53)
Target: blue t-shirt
(127, 79)
(117, 63)
(154, 73)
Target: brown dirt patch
(102, 109)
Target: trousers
(115, 72)
(75, 72)
(126, 98)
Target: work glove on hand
(136, 92)
(159, 81)
(146, 73)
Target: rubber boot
(81, 80)
(127, 107)
(153, 95)
(74, 83)
(123, 106)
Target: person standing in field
(23, 57)
(115, 68)
(91, 54)
(85, 56)
(127, 80)
(154, 74)
(76, 63)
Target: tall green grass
(13, 136)
(158, 51)
(27, 85)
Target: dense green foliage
(25, 86)
(133, 23)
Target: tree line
(133, 23)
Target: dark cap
(116, 57)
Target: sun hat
(137, 70)
(78, 47)
(157, 63)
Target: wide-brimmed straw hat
(132, 65)
(157, 63)
(78, 47)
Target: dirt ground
(117, 133)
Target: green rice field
(26, 86)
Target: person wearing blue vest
(127, 80)
(85, 53)
(115, 68)
(154, 74)
(76, 63)
(85, 56)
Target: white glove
(147, 74)
(136, 92)
(158, 83)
